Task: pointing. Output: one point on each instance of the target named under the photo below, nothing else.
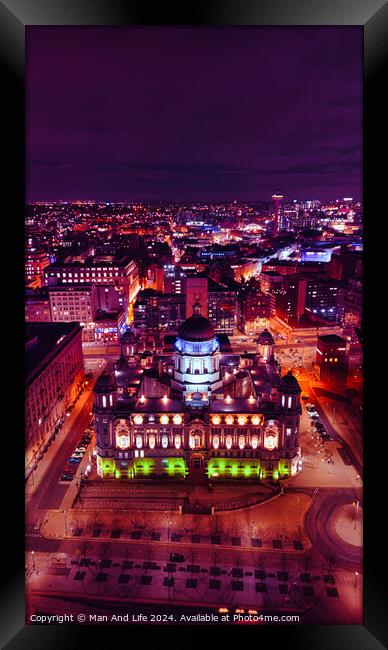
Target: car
(69, 469)
(177, 557)
(75, 460)
(309, 405)
(78, 454)
(80, 450)
(66, 477)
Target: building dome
(265, 338)
(104, 383)
(196, 328)
(289, 384)
(122, 373)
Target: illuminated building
(332, 358)
(301, 294)
(197, 411)
(196, 289)
(224, 307)
(120, 273)
(154, 311)
(37, 306)
(277, 197)
(54, 379)
(36, 262)
(109, 325)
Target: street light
(355, 579)
(33, 560)
(357, 504)
(252, 524)
(64, 513)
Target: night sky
(193, 114)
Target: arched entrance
(197, 461)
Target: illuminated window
(177, 419)
(164, 442)
(289, 402)
(254, 442)
(255, 420)
(151, 442)
(288, 431)
(242, 419)
(283, 400)
(216, 442)
(139, 441)
(229, 419)
(216, 419)
(164, 419)
(104, 401)
(138, 419)
(177, 442)
(241, 442)
(228, 442)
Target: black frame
(15, 15)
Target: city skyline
(132, 114)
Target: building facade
(332, 358)
(54, 379)
(198, 412)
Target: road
(319, 525)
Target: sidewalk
(346, 526)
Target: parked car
(75, 459)
(70, 469)
(80, 450)
(177, 557)
(66, 477)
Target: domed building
(198, 411)
(197, 360)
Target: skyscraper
(277, 197)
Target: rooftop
(331, 338)
(43, 342)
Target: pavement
(260, 522)
(93, 582)
(349, 524)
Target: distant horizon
(193, 201)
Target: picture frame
(15, 17)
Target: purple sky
(206, 113)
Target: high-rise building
(276, 197)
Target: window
(289, 404)
(104, 401)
